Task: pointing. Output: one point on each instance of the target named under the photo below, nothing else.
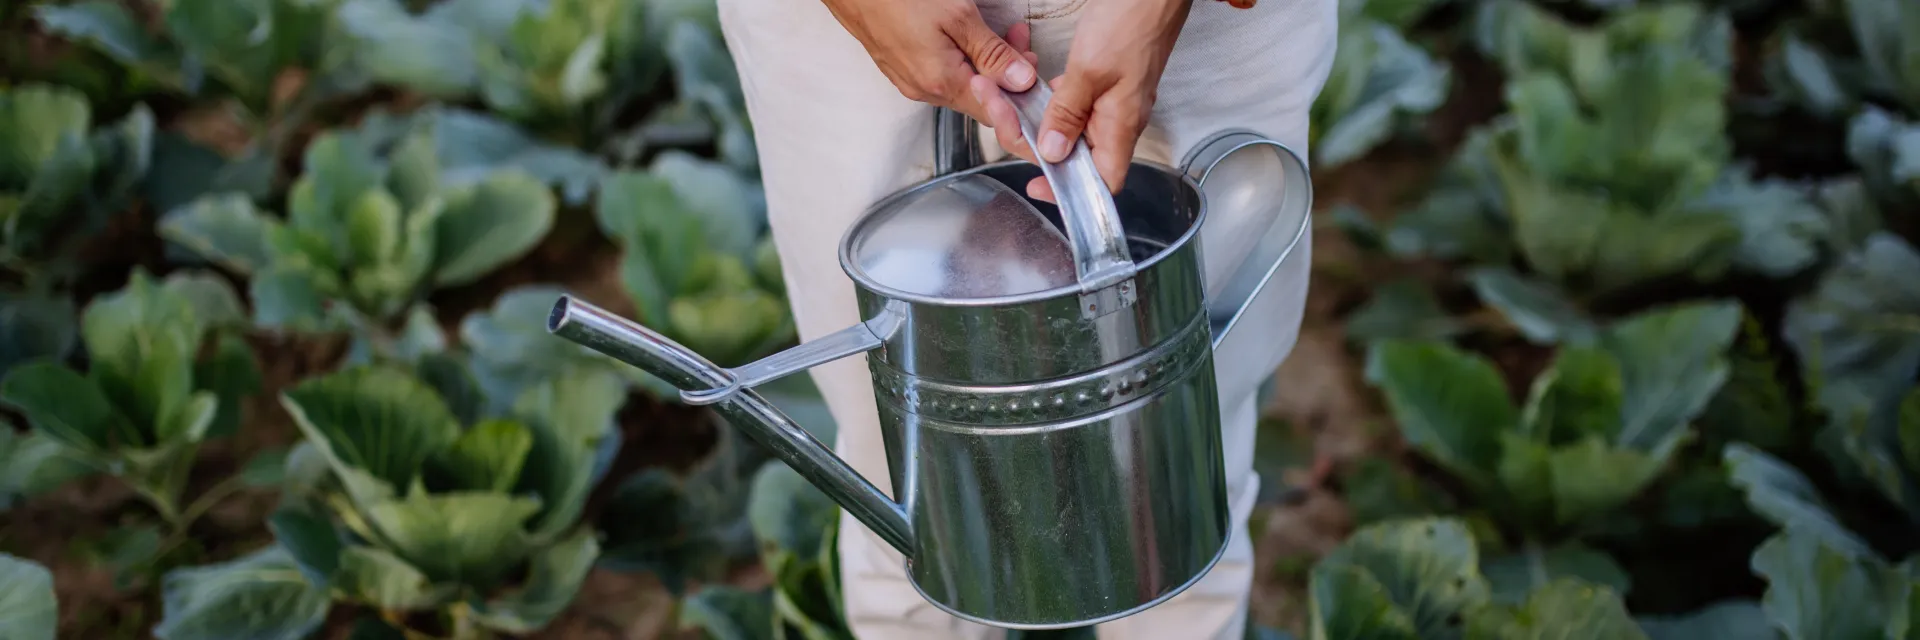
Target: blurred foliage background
(1614, 328)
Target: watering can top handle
(1101, 258)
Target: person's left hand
(1119, 50)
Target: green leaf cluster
(530, 61)
(147, 399)
(1596, 428)
(29, 609)
(242, 46)
(58, 172)
(796, 526)
(1380, 84)
(692, 263)
(1873, 58)
(366, 236)
(1420, 578)
(414, 498)
(1611, 169)
(1824, 581)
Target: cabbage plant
(1422, 578)
(410, 500)
(1615, 136)
(146, 401)
(29, 610)
(1856, 338)
(1380, 85)
(554, 64)
(1886, 148)
(1872, 59)
(693, 263)
(1598, 426)
(1823, 579)
(366, 238)
(232, 47)
(796, 526)
(60, 175)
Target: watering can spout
(730, 393)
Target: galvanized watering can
(1055, 454)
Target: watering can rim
(867, 218)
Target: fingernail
(978, 95)
(1053, 145)
(1020, 73)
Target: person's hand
(1119, 50)
(932, 49)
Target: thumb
(1067, 115)
(992, 56)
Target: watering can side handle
(1228, 299)
(956, 142)
(628, 342)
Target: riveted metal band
(1061, 399)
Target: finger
(1112, 136)
(1020, 37)
(1001, 117)
(990, 54)
(1040, 189)
(1067, 116)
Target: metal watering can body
(1055, 457)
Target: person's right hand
(932, 49)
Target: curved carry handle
(1101, 259)
(628, 342)
(1087, 208)
(1228, 299)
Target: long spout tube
(628, 342)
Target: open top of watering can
(976, 239)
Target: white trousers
(835, 136)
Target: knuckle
(989, 53)
(912, 91)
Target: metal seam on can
(1060, 399)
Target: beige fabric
(834, 136)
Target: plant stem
(206, 501)
(160, 501)
(183, 520)
(463, 626)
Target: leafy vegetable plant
(147, 400)
(1612, 169)
(1886, 148)
(1870, 56)
(412, 500)
(1423, 578)
(241, 45)
(795, 525)
(529, 61)
(692, 263)
(1420, 578)
(1857, 338)
(1380, 84)
(365, 238)
(281, 61)
(1824, 581)
(28, 607)
(1599, 425)
(61, 177)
